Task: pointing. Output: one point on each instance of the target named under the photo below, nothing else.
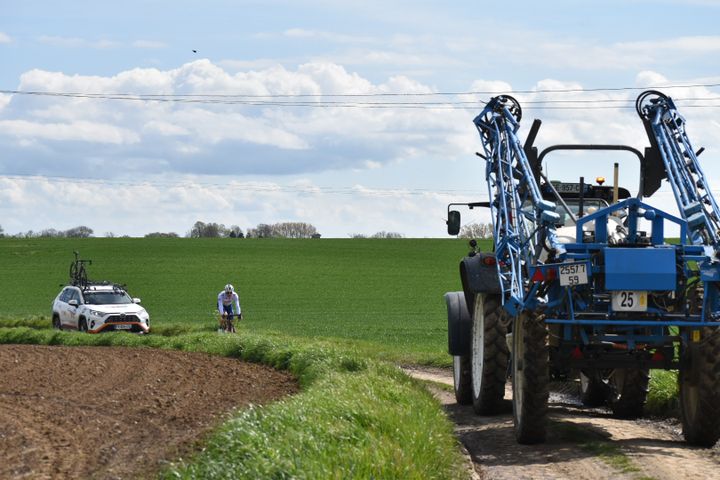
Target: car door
(72, 310)
(62, 307)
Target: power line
(550, 104)
(374, 94)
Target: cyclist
(226, 299)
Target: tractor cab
(571, 204)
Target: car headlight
(96, 313)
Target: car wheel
(82, 325)
(56, 322)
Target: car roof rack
(104, 283)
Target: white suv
(97, 308)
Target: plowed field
(106, 412)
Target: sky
(353, 116)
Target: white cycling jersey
(225, 299)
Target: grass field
(382, 296)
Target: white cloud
(31, 204)
(76, 42)
(4, 100)
(75, 131)
(148, 44)
(5, 38)
(289, 148)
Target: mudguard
(479, 275)
(459, 324)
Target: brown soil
(106, 412)
(654, 449)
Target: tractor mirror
(453, 222)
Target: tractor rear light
(576, 353)
(658, 356)
(540, 276)
(489, 261)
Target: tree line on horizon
(262, 230)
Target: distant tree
(358, 235)
(383, 234)
(207, 230)
(476, 230)
(263, 230)
(79, 232)
(2, 232)
(50, 233)
(161, 235)
(109, 235)
(293, 230)
(235, 232)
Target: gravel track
(654, 449)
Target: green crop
(384, 296)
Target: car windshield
(107, 298)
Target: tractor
(582, 285)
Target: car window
(65, 295)
(75, 295)
(107, 298)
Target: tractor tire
(530, 378)
(593, 391)
(628, 389)
(489, 354)
(462, 380)
(458, 339)
(699, 381)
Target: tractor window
(590, 205)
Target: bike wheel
(73, 273)
(82, 277)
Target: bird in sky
(194, 51)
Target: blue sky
(132, 167)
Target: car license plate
(123, 327)
(573, 274)
(629, 301)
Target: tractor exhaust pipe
(616, 175)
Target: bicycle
(78, 273)
(227, 323)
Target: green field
(383, 296)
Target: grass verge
(663, 400)
(354, 418)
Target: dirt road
(582, 443)
(105, 412)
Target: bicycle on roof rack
(78, 273)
